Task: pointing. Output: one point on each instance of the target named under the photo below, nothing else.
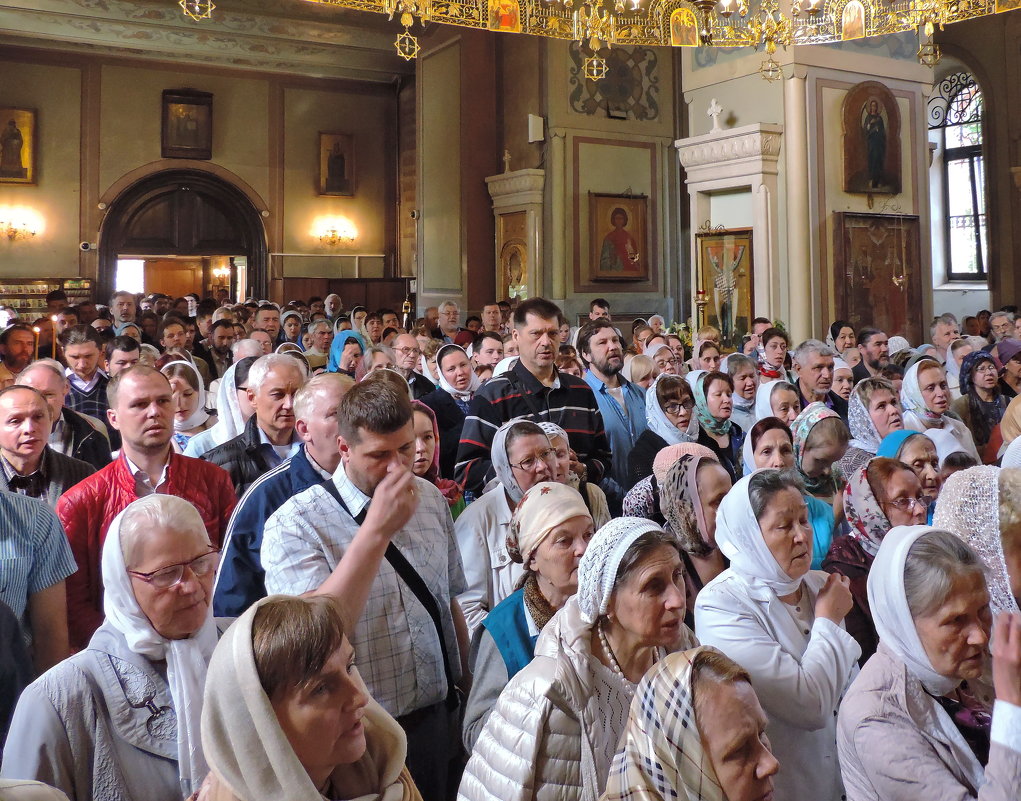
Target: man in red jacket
(142, 410)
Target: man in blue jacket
(621, 403)
(241, 580)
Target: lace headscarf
(897, 344)
(663, 756)
(681, 505)
(911, 396)
(866, 517)
(597, 571)
(714, 425)
(200, 415)
(864, 434)
(474, 382)
(740, 539)
(969, 507)
(187, 659)
(658, 422)
(810, 416)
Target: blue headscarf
(337, 348)
(893, 442)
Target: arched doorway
(182, 215)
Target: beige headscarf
(249, 754)
(544, 507)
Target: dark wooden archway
(183, 212)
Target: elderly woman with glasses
(522, 457)
(121, 718)
(558, 724)
(919, 722)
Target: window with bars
(955, 111)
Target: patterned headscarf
(810, 416)
(681, 505)
(984, 416)
(544, 507)
(864, 434)
(658, 422)
(969, 507)
(668, 456)
(866, 517)
(663, 756)
(597, 571)
(713, 425)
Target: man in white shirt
(335, 539)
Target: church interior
(286, 148)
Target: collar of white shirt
(142, 480)
(354, 498)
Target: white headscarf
(200, 415)
(187, 660)
(945, 441)
(764, 398)
(659, 424)
(597, 571)
(230, 421)
(424, 368)
(891, 613)
(692, 377)
(505, 365)
(474, 382)
(840, 364)
(897, 344)
(1012, 455)
(912, 401)
(740, 539)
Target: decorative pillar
(800, 292)
(559, 213)
(517, 205)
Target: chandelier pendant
(596, 68)
(197, 10)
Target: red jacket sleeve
(79, 514)
(227, 500)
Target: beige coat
(893, 748)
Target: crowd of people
(253, 552)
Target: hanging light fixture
(197, 10)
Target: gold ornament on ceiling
(197, 10)
(764, 25)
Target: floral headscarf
(681, 505)
(864, 434)
(868, 521)
(663, 756)
(810, 416)
(713, 425)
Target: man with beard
(533, 390)
(621, 403)
(875, 353)
(409, 355)
(221, 338)
(16, 346)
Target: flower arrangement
(682, 331)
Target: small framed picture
(187, 124)
(336, 164)
(18, 142)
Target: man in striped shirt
(533, 390)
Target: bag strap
(415, 583)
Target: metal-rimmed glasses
(169, 576)
(549, 456)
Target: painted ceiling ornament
(596, 68)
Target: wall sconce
(333, 231)
(221, 273)
(19, 223)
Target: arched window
(955, 118)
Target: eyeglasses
(547, 456)
(986, 367)
(662, 362)
(909, 504)
(675, 408)
(171, 575)
(409, 351)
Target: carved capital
(516, 187)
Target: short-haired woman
(286, 714)
(772, 353)
(782, 622)
(917, 722)
(558, 724)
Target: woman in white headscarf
(549, 532)
(458, 384)
(558, 724)
(522, 457)
(696, 732)
(918, 723)
(981, 506)
(783, 623)
(232, 407)
(872, 412)
(925, 398)
(287, 716)
(777, 398)
(189, 395)
(670, 415)
(121, 719)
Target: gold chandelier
(762, 24)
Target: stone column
(800, 292)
